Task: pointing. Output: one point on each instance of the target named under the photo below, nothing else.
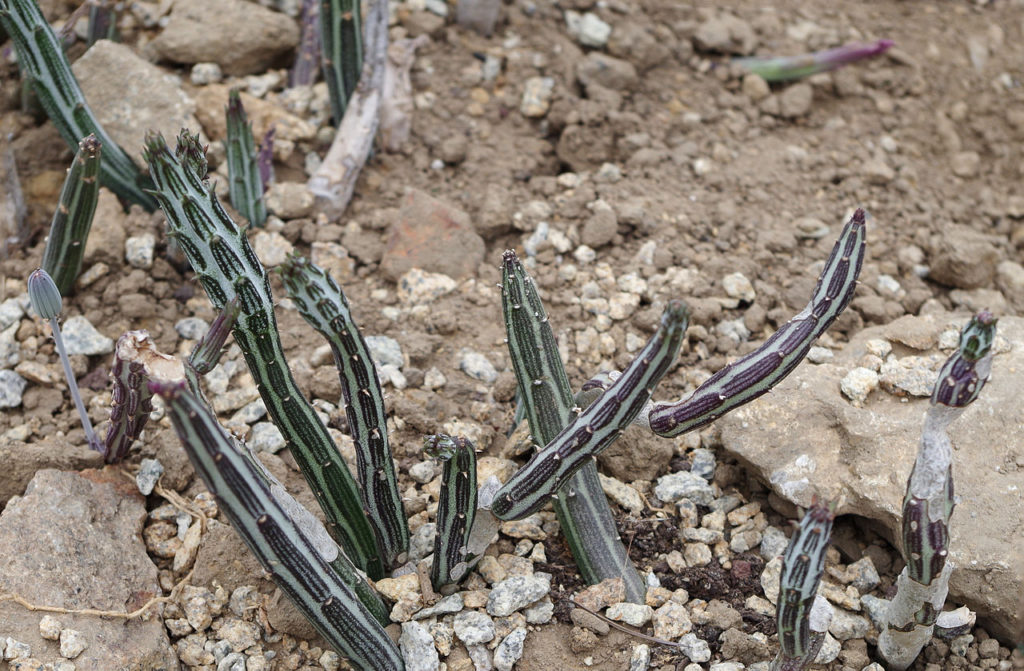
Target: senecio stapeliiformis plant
(341, 44)
(367, 520)
(65, 246)
(42, 61)
(802, 616)
(245, 181)
(928, 504)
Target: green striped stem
(929, 500)
(323, 305)
(102, 22)
(228, 269)
(456, 508)
(341, 38)
(598, 426)
(41, 59)
(546, 400)
(756, 373)
(289, 542)
(787, 68)
(245, 185)
(65, 246)
(800, 637)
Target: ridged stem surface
(245, 183)
(65, 245)
(546, 401)
(42, 60)
(341, 38)
(456, 508)
(289, 542)
(228, 269)
(323, 305)
(754, 374)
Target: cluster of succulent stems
(323, 568)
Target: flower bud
(44, 295)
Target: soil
(716, 180)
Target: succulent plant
(42, 61)
(797, 67)
(341, 42)
(928, 505)
(69, 229)
(308, 58)
(245, 178)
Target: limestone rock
(75, 542)
(131, 96)
(805, 439)
(22, 460)
(242, 37)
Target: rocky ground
(615, 148)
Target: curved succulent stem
(323, 305)
(754, 374)
(598, 426)
(228, 269)
(290, 543)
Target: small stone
(770, 578)
(72, 643)
(876, 171)
(12, 387)
(702, 463)
(477, 366)
(516, 592)
(403, 587)
(600, 228)
(150, 471)
(49, 628)
(675, 486)
(914, 375)
(726, 34)
(965, 164)
(272, 248)
(417, 646)
(796, 101)
(191, 328)
(697, 554)
(205, 73)
(417, 287)
(846, 625)
(81, 337)
(773, 543)
(640, 660)
(634, 614)
(858, 383)
(385, 351)
(755, 87)
(696, 649)
(289, 200)
(588, 29)
(473, 627)
(14, 649)
(138, 250)
(536, 96)
(330, 660)
(671, 621)
(422, 472)
(266, 437)
(830, 650)
(622, 494)
(449, 604)
(540, 612)
(603, 594)
(510, 650)
(963, 258)
(737, 286)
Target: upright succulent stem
(287, 539)
(323, 305)
(800, 620)
(69, 229)
(456, 508)
(341, 38)
(308, 59)
(756, 373)
(598, 426)
(41, 59)
(928, 505)
(102, 22)
(228, 269)
(245, 183)
(546, 401)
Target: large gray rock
(241, 37)
(75, 543)
(807, 439)
(22, 460)
(130, 96)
